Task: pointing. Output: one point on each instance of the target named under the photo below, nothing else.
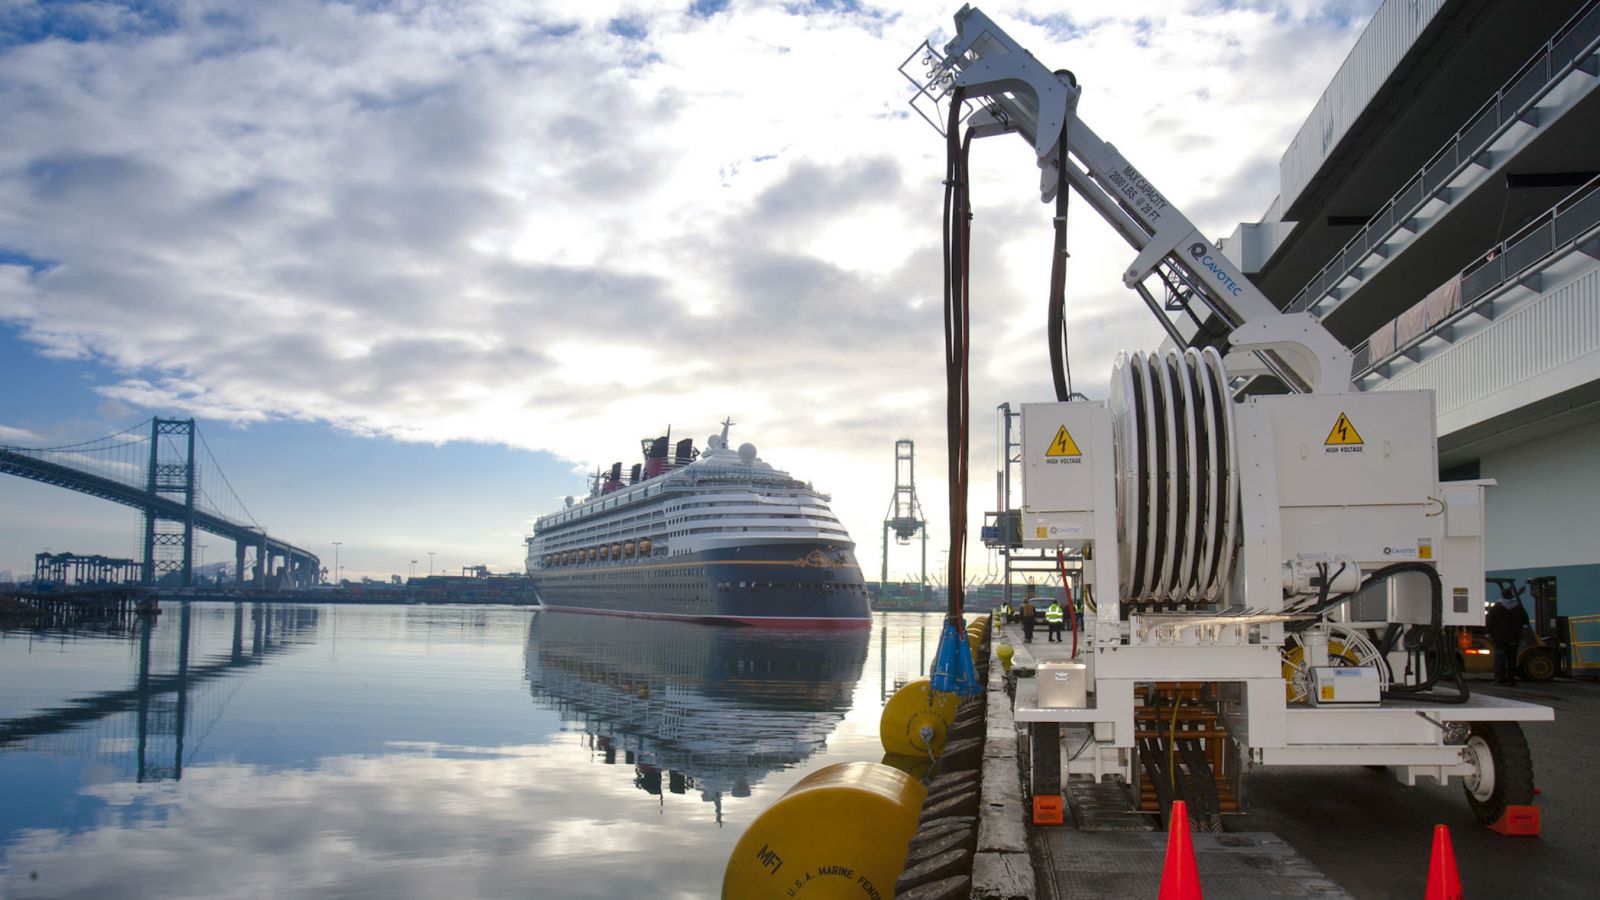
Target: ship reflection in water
(692, 707)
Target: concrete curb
(1003, 868)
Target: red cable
(1066, 587)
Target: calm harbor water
(413, 751)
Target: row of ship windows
(626, 575)
(614, 528)
(739, 530)
(817, 586)
(579, 542)
(611, 528)
(626, 497)
(827, 520)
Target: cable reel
(1177, 477)
(1346, 647)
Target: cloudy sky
(416, 266)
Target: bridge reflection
(694, 707)
(180, 662)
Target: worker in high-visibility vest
(1055, 617)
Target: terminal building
(1439, 210)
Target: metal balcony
(1554, 80)
(1487, 289)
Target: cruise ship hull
(779, 584)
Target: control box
(1063, 685)
(1065, 458)
(1345, 686)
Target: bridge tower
(905, 513)
(171, 471)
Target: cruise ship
(716, 535)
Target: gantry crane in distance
(904, 516)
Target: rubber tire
(1538, 664)
(1513, 770)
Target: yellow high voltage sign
(1063, 445)
(1343, 434)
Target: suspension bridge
(154, 468)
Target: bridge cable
(224, 476)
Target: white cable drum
(1210, 520)
(1217, 535)
(1177, 476)
(1192, 489)
(1150, 497)
(1134, 513)
(1230, 530)
(1166, 536)
(1125, 447)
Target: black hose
(1432, 633)
(1056, 319)
(1150, 758)
(1209, 810)
(1444, 660)
(957, 252)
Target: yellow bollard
(1005, 652)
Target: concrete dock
(1312, 831)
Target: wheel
(1503, 769)
(1538, 664)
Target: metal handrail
(1585, 654)
(1562, 224)
(1506, 105)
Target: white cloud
(526, 223)
(9, 435)
(410, 822)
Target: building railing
(1573, 42)
(1554, 230)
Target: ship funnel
(655, 457)
(685, 451)
(633, 474)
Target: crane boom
(1014, 93)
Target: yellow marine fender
(840, 832)
(915, 720)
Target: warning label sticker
(1343, 437)
(1063, 449)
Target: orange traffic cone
(1180, 879)
(1444, 882)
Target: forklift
(1541, 656)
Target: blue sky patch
(705, 9)
(630, 28)
(83, 23)
(33, 265)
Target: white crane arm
(1018, 94)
